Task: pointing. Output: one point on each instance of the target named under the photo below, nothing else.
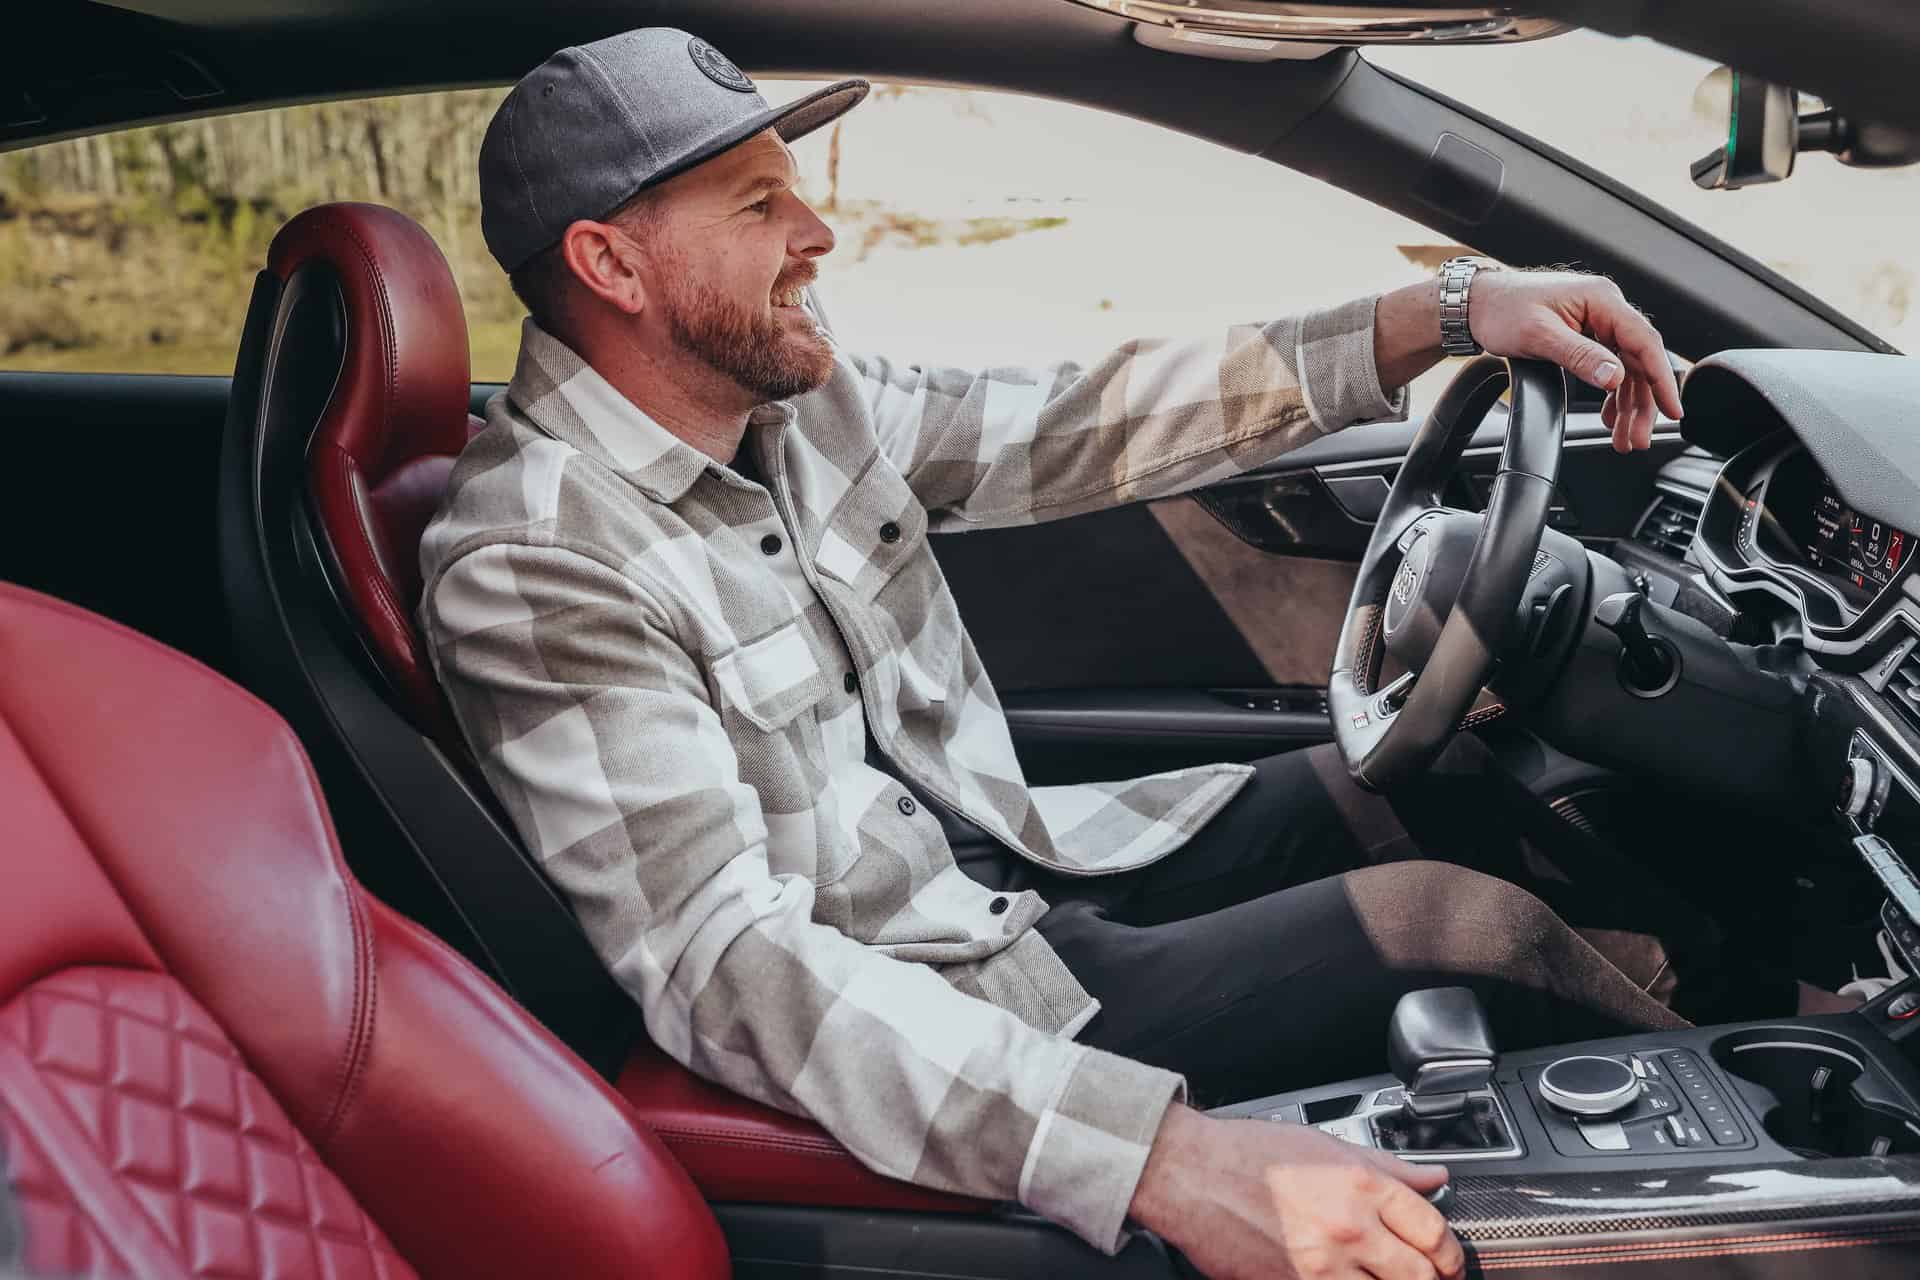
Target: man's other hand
(1245, 1198)
(1583, 324)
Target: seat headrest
(403, 381)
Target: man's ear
(607, 263)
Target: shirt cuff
(1338, 375)
(1091, 1145)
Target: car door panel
(1202, 627)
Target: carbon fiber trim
(1491, 1210)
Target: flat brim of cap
(792, 122)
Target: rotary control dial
(1589, 1086)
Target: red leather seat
(377, 461)
(220, 1056)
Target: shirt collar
(567, 398)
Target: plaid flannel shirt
(669, 674)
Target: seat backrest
(379, 456)
(219, 1055)
(349, 405)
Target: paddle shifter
(1441, 1048)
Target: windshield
(1640, 113)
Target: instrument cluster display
(1856, 553)
(1863, 553)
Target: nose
(810, 237)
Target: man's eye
(762, 205)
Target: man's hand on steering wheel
(1579, 322)
(1586, 326)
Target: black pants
(1268, 952)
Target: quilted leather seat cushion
(220, 1057)
(116, 1084)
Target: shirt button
(998, 906)
(907, 806)
(851, 682)
(889, 532)
(771, 544)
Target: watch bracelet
(1456, 291)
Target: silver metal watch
(1456, 283)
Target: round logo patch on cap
(717, 68)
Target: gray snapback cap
(595, 124)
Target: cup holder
(1817, 1094)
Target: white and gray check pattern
(669, 674)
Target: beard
(755, 350)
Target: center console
(1798, 1089)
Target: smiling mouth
(788, 298)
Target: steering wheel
(1440, 589)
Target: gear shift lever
(1441, 1048)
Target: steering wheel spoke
(1438, 586)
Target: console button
(1352, 1129)
(1726, 1133)
(1604, 1135)
(1678, 1130)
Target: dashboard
(1806, 537)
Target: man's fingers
(1639, 415)
(1391, 1260)
(1421, 1225)
(1421, 1177)
(1639, 345)
(1586, 360)
(1623, 412)
(1647, 394)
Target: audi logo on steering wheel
(1404, 580)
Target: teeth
(791, 298)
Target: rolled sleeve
(1091, 1146)
(1338, 373)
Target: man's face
(733, 246)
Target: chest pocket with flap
(771, 680)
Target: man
(681, 598)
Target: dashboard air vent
(1903, 688)
(1668, 527)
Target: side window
(973, 228)
(135, 252)
(977, 228)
